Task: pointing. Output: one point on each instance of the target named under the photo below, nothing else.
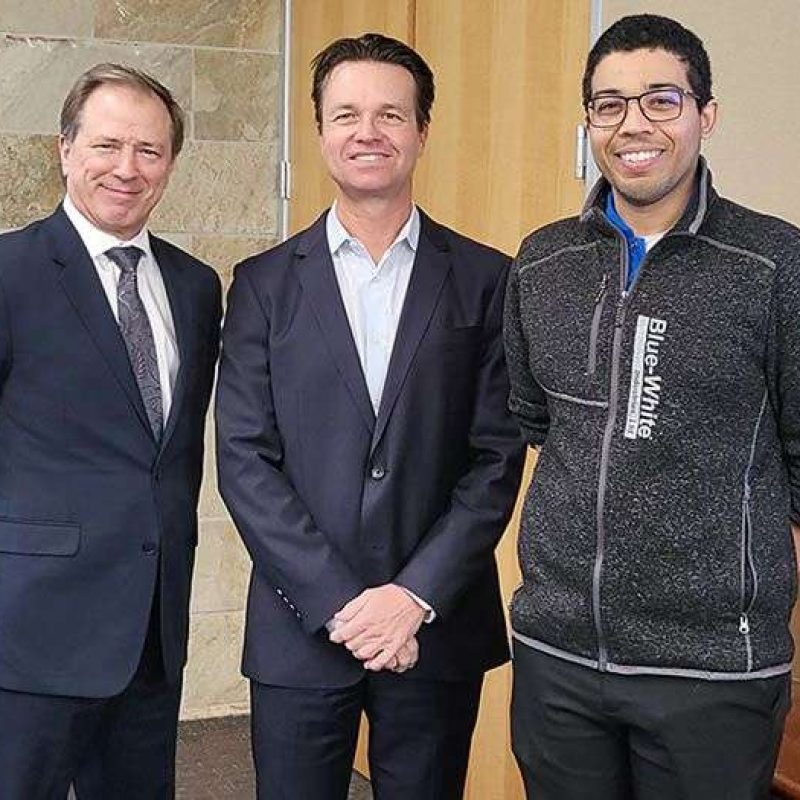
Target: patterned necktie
(138, 335)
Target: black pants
(117, 748)
(420, 731)
(580, 734)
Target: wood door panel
(499, 158)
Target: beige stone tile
(51, 66)
(236, 95)
(225, 252)
(211, 506)
(182, 240)
(31, 179)
(238, 708)
(47, 17)
(249, 24)
(221, 570)
(222, 187)
(213, 683)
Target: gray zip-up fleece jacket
(655, 534)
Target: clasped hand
(379, 627)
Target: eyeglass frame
(682, 93)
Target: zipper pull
(602, 290)
(744, 624)
(619, 313)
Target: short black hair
(653, 32)
(380, 48)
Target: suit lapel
(318, 278)
(80, 282)
(431, 266)
(180, 305)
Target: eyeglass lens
(658, 105)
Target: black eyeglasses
(657, 105)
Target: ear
(64, 149)
(708, 118)
(423, 138)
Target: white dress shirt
(373, 294)
(151, 289)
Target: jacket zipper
(595, 329)
(602, 480)
(619, 318)
(746, 562)
(746, 566)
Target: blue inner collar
(637, 247)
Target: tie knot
(126, 258)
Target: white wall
(755, 60)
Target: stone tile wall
(222, 60)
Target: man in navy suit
(108, 340)
(368, 459)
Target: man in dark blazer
(108, 339)
(368, 458)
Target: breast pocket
(464, 336)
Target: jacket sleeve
(288, 549)
(786, 370)
(527, 400)
(460, 545)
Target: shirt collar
(616, 220)
(97, 241)
(337, 234)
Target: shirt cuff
(430, 614)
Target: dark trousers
(117, 748)
(580, 734)
(304, 740)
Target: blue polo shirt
(637, 246)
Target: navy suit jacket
(90, 503)
(331, 499)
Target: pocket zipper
(595, 329)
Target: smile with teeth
(639, 156)
(368, 156)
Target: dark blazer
(331, 500)
(90, 504)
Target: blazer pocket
(455, 336)
(39, 538)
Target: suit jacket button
(377, 473)
(149, 548)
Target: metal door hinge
(285, 178)
(580, 152)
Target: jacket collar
(316, 273)
(80, 282)
(691, 220)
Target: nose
(125, 165)
(635, 120)
(367, 129)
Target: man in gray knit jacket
(654, 351)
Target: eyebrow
(350, 106)
(116, 140)
(650, 87)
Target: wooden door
(498, 163)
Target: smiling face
(650, 165)
(369, 135)
(118, 165)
